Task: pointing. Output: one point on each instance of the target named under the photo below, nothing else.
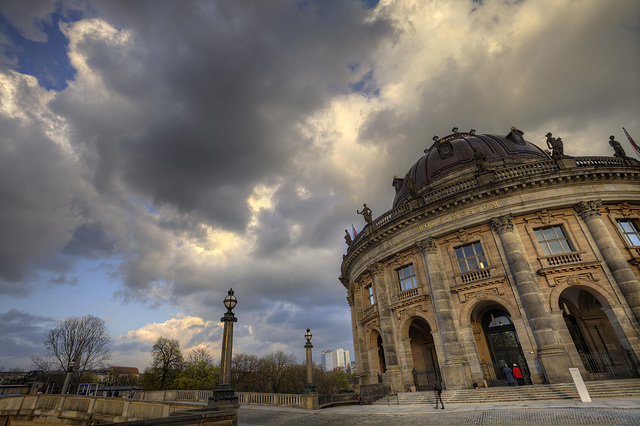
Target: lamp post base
(223, 393)
(310, 388)
(224, 399)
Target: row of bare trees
(276, 372)
(81, 344)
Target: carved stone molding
(372, 325)
(350, 299)
(625, 209)
(588, 209)
(568, 268)
(410, 312)
(376, 268)
(502, 224)
(413, 301)
(544, 216)
(478, 284)
(463, 235)
(573, 279)
(427, 245)
(401, 259)
(480, 294)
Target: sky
(154, 154)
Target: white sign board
(582, 389)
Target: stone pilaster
(455, 371)
(360, 341)
(552, 356)
(627, 282)
(387, 328)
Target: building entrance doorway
(594, 337)
(426, 370)
(378, 363)
(498, 344)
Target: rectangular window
(630, 231)
(369, 290)
(471, 257)
(407, 278)
(553, 240)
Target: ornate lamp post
(310, 387)
(70, 369)
(224, 392)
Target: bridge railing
(247, 398)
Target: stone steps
(626, 388)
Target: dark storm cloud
(37, 192)
(21, 335)
(222, 86)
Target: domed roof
(455, 153)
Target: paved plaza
(571, 412)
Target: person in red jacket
(518, 375)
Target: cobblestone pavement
(517, 416)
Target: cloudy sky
(154, 154)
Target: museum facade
(499, 252)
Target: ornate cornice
(502, 224)
(588, 209)
(568, 268)
(478, 284)
(438, 199)
(428, 245)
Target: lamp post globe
(230, 301)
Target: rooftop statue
(411, 186)
(366, 213)
(347, 238)
(481, 160)
(618, 151)
(556, 146)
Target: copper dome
(455, 153)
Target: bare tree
(167, 359)
(80, 340)
(199, 356)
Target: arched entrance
(378, 363)
(593, 336)
(426, 370)
(497, 343)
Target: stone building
(498, 252)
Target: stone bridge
(88, 410)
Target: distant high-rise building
(338, 358)
(325, 359)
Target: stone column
(455, 371)
(469, 343)
(387, 328)
(554, 359)
(359, 337)
(622, 273)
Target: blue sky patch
(48, 61)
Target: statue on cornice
(366, 213)
(411, 186)
(556, 146)
(618, 151)
(347, 238)
(481, 159)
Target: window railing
(408, 294)
(370, 310)
(478, 274)
(562, 259)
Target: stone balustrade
(69, 409)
